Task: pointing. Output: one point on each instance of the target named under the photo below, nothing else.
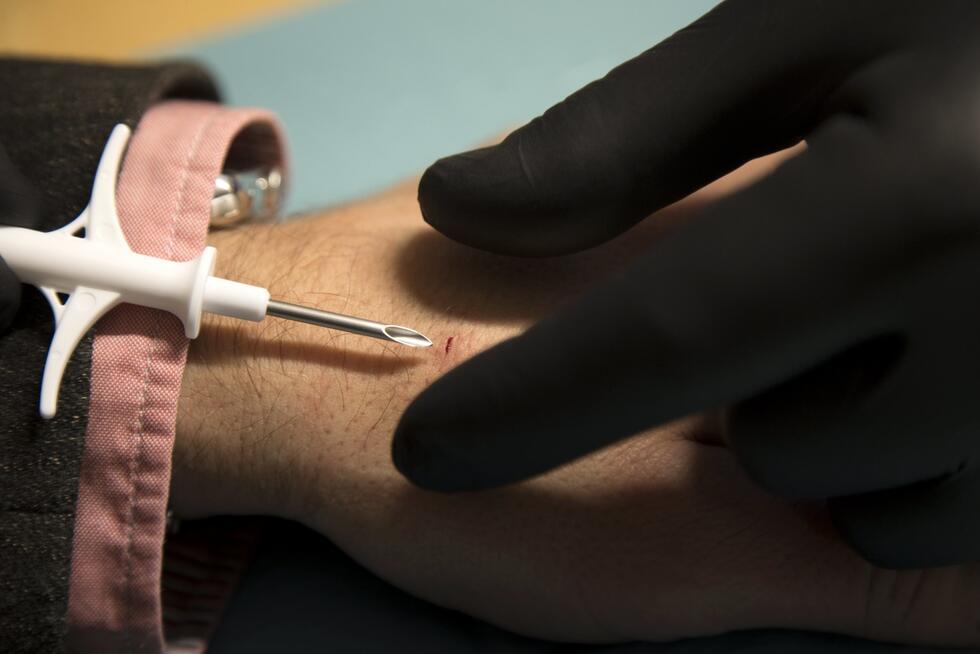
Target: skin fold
(658, 537)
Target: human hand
(18, 208)
(655, 538)
(831, 307)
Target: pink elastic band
(163, 198)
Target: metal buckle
(246, 195)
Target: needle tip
(406, 336)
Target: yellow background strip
(116, 29)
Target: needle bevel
(330, 320)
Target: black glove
(833, 307)
(18, 208)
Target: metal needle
(394, 333)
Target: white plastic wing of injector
(84, 306)
(98, 270)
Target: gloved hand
(833, 307)
(18, 208)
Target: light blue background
(372, 91)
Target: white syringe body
(98, 270)
(64, 263)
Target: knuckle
(919, 151)
(935, 131)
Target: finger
(869, 418)
(746, 79)
(763, 286)
(918, 526)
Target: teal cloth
(372, 91)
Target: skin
(658, 537)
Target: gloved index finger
(737, 301)
(746, 79)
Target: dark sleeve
(54, 120)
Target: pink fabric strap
(163, 198)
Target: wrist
(271, 412)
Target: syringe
(99, 270)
